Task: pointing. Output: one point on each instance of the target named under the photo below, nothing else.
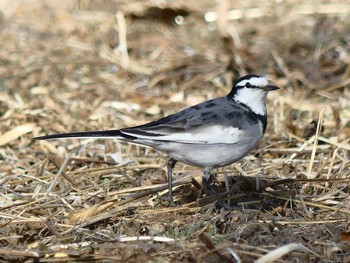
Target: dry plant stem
(90, 214)
(250, 13)
(4, 207)
(317, 135)
(58, 162)
(343, 145)
(55, 179)
(123, 47)
(183, 180)
(167, 210)
(303, 205)
(148, 238)
(15, 133)
(338, 85)
(281, 251)
(291, 180)
(19, 253)
(345, 211)
(113, 169)
(317, 222)
(234, 254)
(211, 246)
(222, 21)
(109, 55)
(282, 66)
(301, 149)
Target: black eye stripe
(247, 85)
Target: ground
(91, 65)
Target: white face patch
(253, 98)
(255, 81)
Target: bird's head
(251, 90)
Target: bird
(211, 134)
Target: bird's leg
(207, 178)
(170, 166)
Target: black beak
(271, 87)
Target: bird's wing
(211, 122)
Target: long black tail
(93, 134)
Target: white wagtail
(211, 134)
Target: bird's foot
(209, 190)
(228, 206)
(169, 200)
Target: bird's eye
(248, 85)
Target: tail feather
(93, 134)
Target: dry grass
(86, 65)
